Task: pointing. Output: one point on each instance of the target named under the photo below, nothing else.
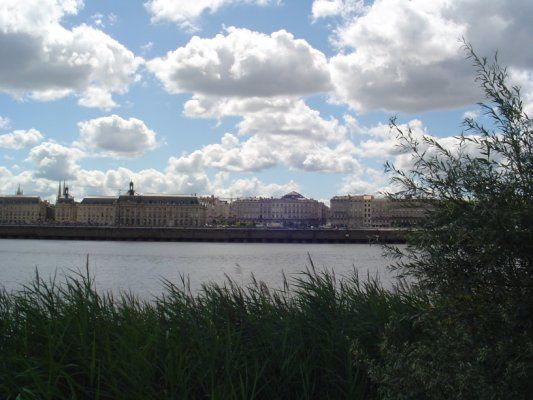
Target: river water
(141, 266)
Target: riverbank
(240, 235)
(316, 338)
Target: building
(159, 210)
(21, 209)
(97, 210)
(367, 211)
(291, 210)
(216, 210)
(66, 208)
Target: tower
(59, 191)
(20, 192)
(131, 192)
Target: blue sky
(238, 97)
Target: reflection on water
(140, 266)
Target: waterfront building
(66, 208)
(97, 210)
(291, 210)
(216, 210)
(159, 210)
(367, 211)
(21, 209)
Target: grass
(315, 339)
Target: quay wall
(243, 235)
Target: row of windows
(158, 222)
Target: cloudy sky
(238, 97)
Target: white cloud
(406, 55)
(186, 13)
(356, 184)
(269, 116)
(254, 187)
(471, 114)
(333, 8)
(524, 79)
(19, 139)
(114, 181)
(54, 161)
(4, 122)
(244, 63)
(256, 154)
(117, 137)
(45, 61)
(102, 21)
(9, 182)
(147, 47)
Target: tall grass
(314, 339)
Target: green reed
(313, 339)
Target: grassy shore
(315, 339)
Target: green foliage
(314, 339)
(473, 255)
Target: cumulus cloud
(302, 138)
(258, 78)
(256, 154)
(254, 187)
(373, 183)
(19, 139)
(269, 116)
(54, 161)
(406, 55)
(117, 137)
(9, 182)
(115, 181)
(112, 181)
(332, 8)
(186, 13)
(243, 63)
(42, 59)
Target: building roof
(102, 200)
(65, 200)
(293, 196)
(159, 199)
(20, 199)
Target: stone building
(216, 210)
(97, 210)
(66, 208)
(366, 211)
(21, 209)
(292, 210)
(159, 210)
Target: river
(141, 266)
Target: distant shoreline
(173, 234)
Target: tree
(473, 255)
(478, 237)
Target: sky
(239, 98)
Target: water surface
(140, 266)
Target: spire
(59, 191)
(131, 192)
(19, 191)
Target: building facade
(216, 210)
(66, 208)
(292, 210)
(367, 211)
(159, 210)
(21, 209)
(97, 210)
